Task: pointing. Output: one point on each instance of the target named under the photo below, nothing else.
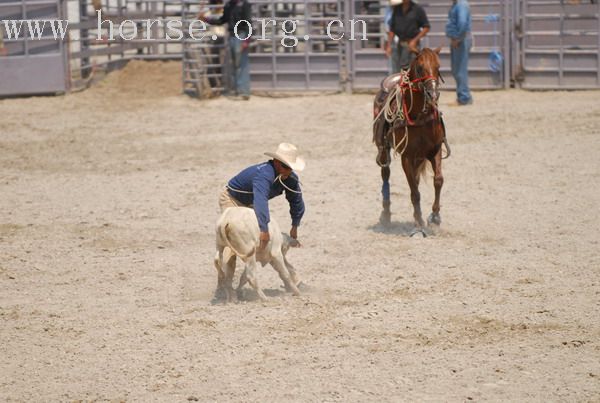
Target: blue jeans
(460, 69)
(239, 67)
(401, 57)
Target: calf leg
(279, 265)
(218, 261)
(250, 274)
(228, 280)
(292, 270)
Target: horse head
(425, 71)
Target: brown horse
(407, 120)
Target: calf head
(287, 243)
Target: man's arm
(412, 45)
(423, 23)
(389, 44)
(246, 16)
(297, 207)
(462, 18)
(260, 188)
(212, 20)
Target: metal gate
(32, 65)
(559, 44)
(489, 64)
(314, 63)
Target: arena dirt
(107, 211)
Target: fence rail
(534, 44)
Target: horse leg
(438, 182)
(410, 170)
(386, 214)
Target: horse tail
(421, 169)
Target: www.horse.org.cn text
(262, 29)
(197, 30)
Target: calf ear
(438, 50)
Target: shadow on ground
(405, 228)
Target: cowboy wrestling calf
(238, 233)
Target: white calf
(237, 230)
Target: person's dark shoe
(246, 97)
(458, 103)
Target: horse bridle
(422, 80)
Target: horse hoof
(418, 233)
(434, 219)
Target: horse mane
(426, 57)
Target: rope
(238, 191)
(278, 178)
(286, 187)
(404, 140)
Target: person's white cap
(395, 2)
(288, 154)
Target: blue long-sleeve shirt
(258, 183)
(459, 20)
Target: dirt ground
(107, 211)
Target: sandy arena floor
(107, 209)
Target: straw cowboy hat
(288, 154)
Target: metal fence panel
(314, 63)
(559, 46)
(32, 66)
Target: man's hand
(412, 45)
(202, 16)
(388, 50)
(454, 43)
(264, 240)
(294, 235)
(245, 44)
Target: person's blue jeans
(393, 60)
(239, 71)
(459, 58)
(401, 57)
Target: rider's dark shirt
(407, 26)
(233, 12)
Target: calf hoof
(434, 219)
(302, 286)
(293, 289)
(220, 297)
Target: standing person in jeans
(3, 50)
(387, 21)
(458, 29)
(409, 23)
(236, 12)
